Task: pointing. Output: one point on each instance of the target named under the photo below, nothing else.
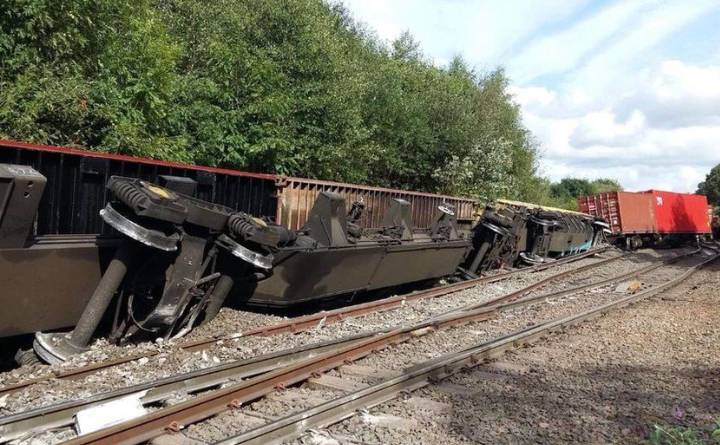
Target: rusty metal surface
(76, 189)
(61, 414)
(626, 212)
(636, 213)
(207, 405)
(295, 198)
(649, 212)
(325, 414)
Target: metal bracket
(446, 209)
(245, 254)
(54, 348)
(149, 237)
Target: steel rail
(519, 296)
(204, 406)
(311, 321)
(41, 419)
(17, 426)
(425, 373)
(58, 415)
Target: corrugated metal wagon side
(76, 179)
(680, 212)
(625, 212)
(76, 192)
(651, 217)
(295, 197)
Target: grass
(683, 435)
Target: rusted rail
(204, 406)
(421, 375)
(326, 317)
(62, 414)
(304, 323)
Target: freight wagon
(76, 178)
(650, 217)
(134, 248)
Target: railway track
(308, 322)
(341, 408)
(296, 365)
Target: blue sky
(627, 89)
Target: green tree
(564, 194)
(294, 87)
(603, 185)
(710, 187)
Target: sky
(623, 89)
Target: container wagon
(650, 217)
(76, 178)
(134, 248)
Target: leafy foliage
(682, 435)
(711, 186)
(295, 87)
(565, 193)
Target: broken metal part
(26, 357)
(398, 220)
(531, 258)
(248, 228)
(185, 273)
(101, 297)
(209, 305)
(149, 237)
(245, 254)
(327, 221)
(222, 288)
(445, 226)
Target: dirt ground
(607, 381)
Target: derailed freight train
(172, 260)
(652, 217)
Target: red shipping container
(680, 212)
(652, 211)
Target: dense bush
(564, 194)
(289, 86)
(710, 187)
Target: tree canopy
(710, 187)
(294, 87)
(565, 193)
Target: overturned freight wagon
(135, 248)
(512, 233)
(650, 217)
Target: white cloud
(612, 71)
(559, 52)
(627, 145)
(677, 95)
(598, 83)
(482, 31)
(602, 128)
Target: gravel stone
(170, 360)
